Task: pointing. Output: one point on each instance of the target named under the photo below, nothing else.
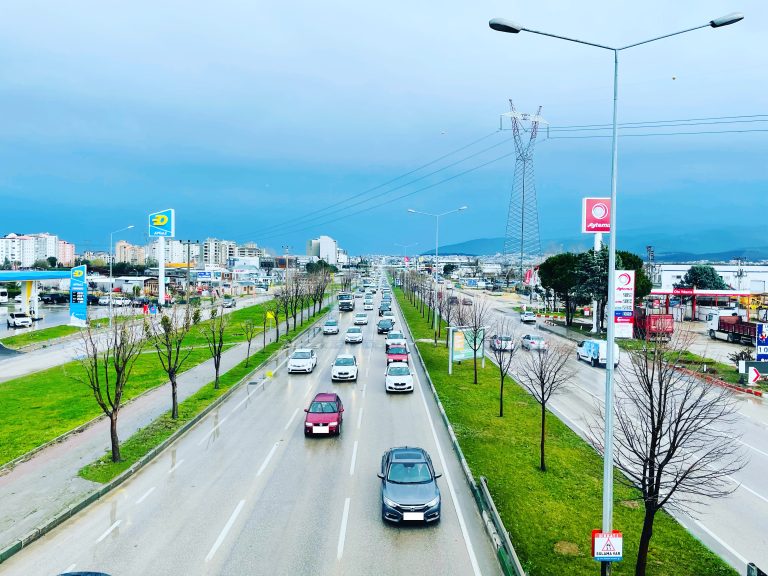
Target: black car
(54, 298)
(409, 490)
(384, 326)
(383, 307)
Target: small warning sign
(607, 546)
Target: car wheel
(712, 334)
(594, 362)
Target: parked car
(331, 327)
(361, 318)
(354, 335)
(453, 300)
(499, 342)
(397, 354)
(325, 415)
(229, 303)
(409, 490)
(398, 378)
(19, 320)
(344, 368)
(54, 298)
(535, 342)
(467, 301)
(385, 325)
(527, 317)
(595, 352)
(394, 338)
(302, 360)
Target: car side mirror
(380, 475)
(438, 476)
(306, 410)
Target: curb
(61, 517)
(719, 382)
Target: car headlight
(333, 423)
(433, 502)
(388, 502)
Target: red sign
(596, 215)
(683, 291)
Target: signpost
(78, 296)
(624, 303)
(761, 350)
(596, 215)
(752, 372)
(459, 347)
(607, 546)
(162, 225)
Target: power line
(661, 134)
(625, 124)
(661, 125)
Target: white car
(331, 327)
(528, 316)
(361, 318)
(354, 335)
(534, 342)
(19, 320)
(388, 315)
(104, 301)
(344, 368)
(499, 342)
(395, 339)
(302, 360)
(368, 305)
(399, 378)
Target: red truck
(653, 326)
(728, 325)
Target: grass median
(36, 336)
(138, 445)
(549, 515)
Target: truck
(346, 302)
(729, 325)
(658, 327)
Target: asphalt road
(734, 527)
(245, 492)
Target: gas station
(30, 280)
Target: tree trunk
(113, 436)
(174, 396)
(474, 357)
(542, 464)
(501, 397)
(216, 363)
(248, 354)
(264, 333)
(645, 540)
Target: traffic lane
(201, 458)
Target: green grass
(42, 335)
(562, 505)
(104, 470)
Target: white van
(3, 295)
(595, 352)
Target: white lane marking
(225, 530)
(146, 495)
(70, 568)
(108, 531)
(308, 391)
(173, 469)
(447, 474)
(212, 430)
(747, 488)
(343, 530)
(752, 447)
(354, 458)
(290, 420)
(364, 389)
(267, 459)
(719, 541)
(360, 417)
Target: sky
(275, 122)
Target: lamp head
(463, 208)
(726, 20)
(411, 210)
(504, 25)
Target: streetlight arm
(664, 36)
(577, 41)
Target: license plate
(413, 515)
(320, 429)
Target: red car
(325, 415)
(397, 354)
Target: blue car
(409, 491)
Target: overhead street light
(434, 266)
(508, 26)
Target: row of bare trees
(300, 293)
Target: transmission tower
(522, 240)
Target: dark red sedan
(397, 354)
(325, 415)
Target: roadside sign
(78, 296)
(163, 223)
(203, 275)
(761, 350)
(754, 375)
(624, 303)
(596, 215)
(607, 546)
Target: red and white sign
(624, 303)
(607, 546)
(754, 375)
(596, 215)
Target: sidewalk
(36, 490)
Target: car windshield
(331, 323)
(353, 330)
(301, 355)
(345, 362)
(395, 336)
(537, 339)
(505, 338)
(409, 473)
(396, 350)
(399, 371)
(322, 407)
(385, 323)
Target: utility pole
(188, 244)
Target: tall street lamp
(502, 25)
(434, 266)
(111, 280)
(405, 249)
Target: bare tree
(543, 372)
(503, 353)
(283, 298)
(475, 319)
(167, 337)
(674, 436)
(345, 280)
(448, 312)
(249, 331)
(107, 366)
(271, 307)
(296, 295)
(214, 333)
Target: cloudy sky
(279, 121)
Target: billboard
(162, 224)
(762, 343)
(462, 340)
(78, 296)
(596, 215)
(624, 303)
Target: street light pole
(502, 25)
(111, 280)
(434, 265)
(405, 249)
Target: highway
(734, 527)
(245, 492)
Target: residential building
(130, 253)
(325, 248)
(218, 252)
(19, 250)
(175, 252)
(66, 253)
(249, 250)
(46, 245)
